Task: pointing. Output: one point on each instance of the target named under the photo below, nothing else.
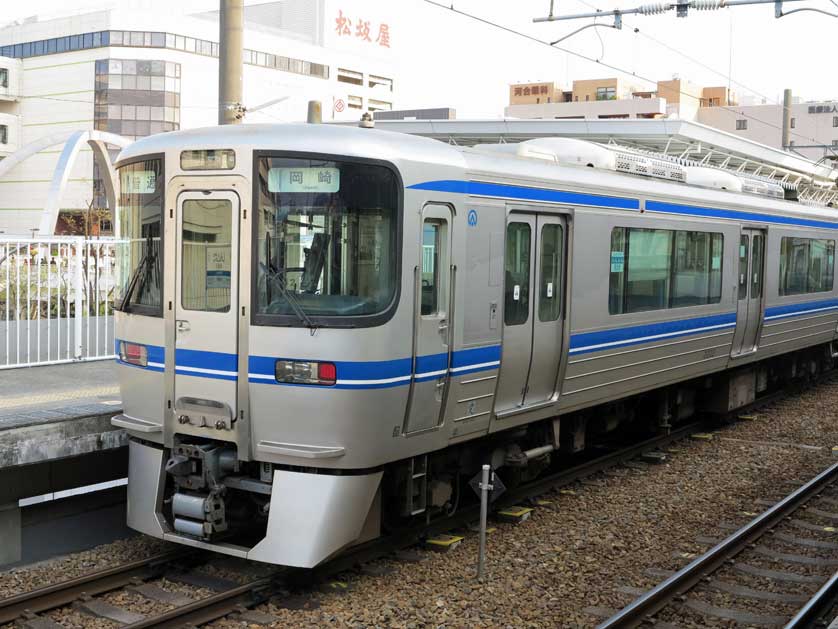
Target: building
(814, 125)
(140, 67)
(596, 99)
(814, 132)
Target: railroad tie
(811, 526)
(777, 575)
(823, 514)
(207, 581)
(158, 594)
(40, 623)
(101, 609)
(792, 558)
(806, 541)
(737, 615)
(760, 595)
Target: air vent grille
(638, 164)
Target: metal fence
(56, 300)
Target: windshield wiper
(144, 269)
(126, 299)
(274, 273)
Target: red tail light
(306, 372)
(327, 373)
(133, 354)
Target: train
(323, 332)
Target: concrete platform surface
(41, 395)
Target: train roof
(464, 162)
(300, 137)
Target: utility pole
(786, 119)
(230, 110)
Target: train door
(206, 304)
(432, 320)
(749, 308)
(532, 313)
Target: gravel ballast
(567, 564)
(569, 560)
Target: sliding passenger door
(432, 315)
(749, 307)
(532, 311)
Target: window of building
(835, 121)
(350, 76)
(834, 142)
(4, 77)
(379, 105)
(741, 125)
(653, 269)
(376, 81)
(806, 265)
(4, 134)
(148, 39)
(355, 102)
(606, 93)
(793, 123)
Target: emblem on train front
(472, 218)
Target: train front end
(258, 289)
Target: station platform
(55, 435)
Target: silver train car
(323, 332)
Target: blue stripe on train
(480, 188)
(793, 310)
(351, 374)
(633, 335)
(692, 210)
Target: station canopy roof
(689, 143)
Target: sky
(445, 59)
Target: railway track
(239, 597)
(782, 548)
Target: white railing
(56, 300)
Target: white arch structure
(73, 141)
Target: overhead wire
(610, 66)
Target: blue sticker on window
(617, 261)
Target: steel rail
(679, 583)
(65, 592)
(815, 606)
(210, 608)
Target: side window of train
(806, 265)
(743, 267)
(550, 273)
(516, 310)
(654, 269)
(430, 266)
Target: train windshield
(140, 212)
(326, 240)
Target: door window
(549, 292)
(516, 309)
(206, 254)
(430, 267)
(743, 267)
(756, 267)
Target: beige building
(613, 97)
(534, 93)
